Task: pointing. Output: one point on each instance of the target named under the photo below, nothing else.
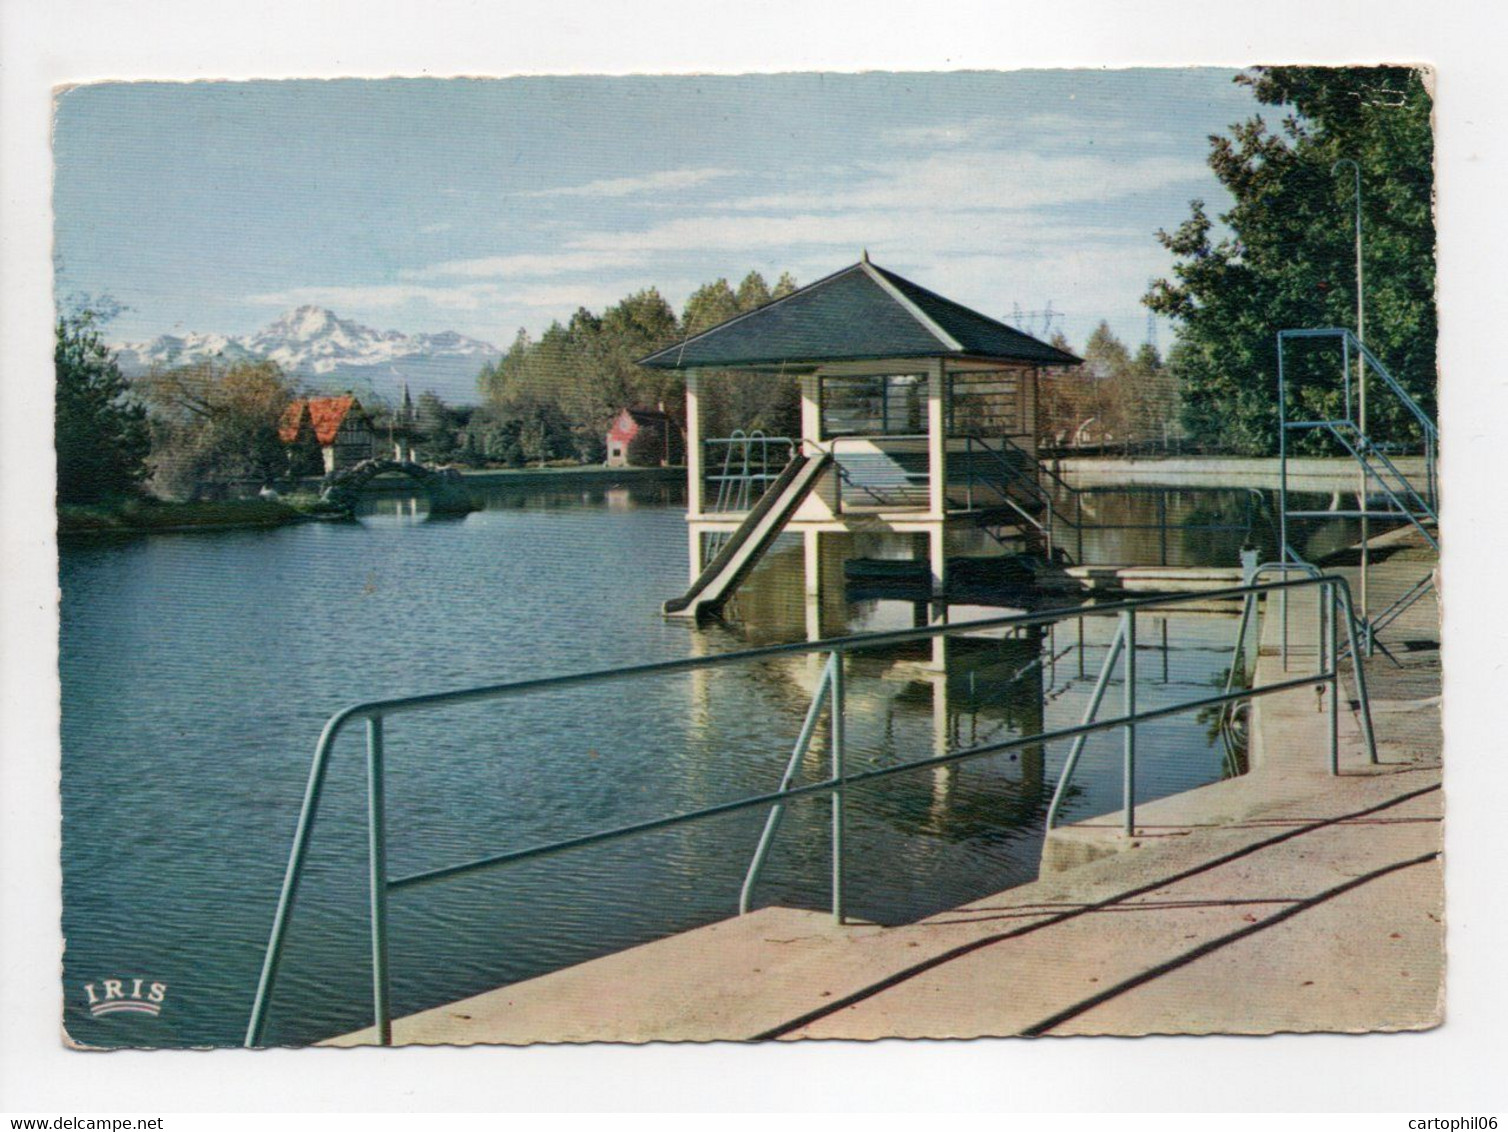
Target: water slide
(743, 550)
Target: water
(198, 669)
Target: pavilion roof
(862, 313)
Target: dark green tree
(1284, 257)
(437, 425)
(753, 292)
(100, 430)
(733, 400)
(554, 397)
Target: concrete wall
(1222, 471)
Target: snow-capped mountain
(328, 352)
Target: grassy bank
(145, 516)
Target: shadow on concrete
(908, 973)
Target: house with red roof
(644, 438)
(339, 426)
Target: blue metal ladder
(1390, 495)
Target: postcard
(786, 556)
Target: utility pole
(1152, 322)
(1026, 321)
(1361, 384)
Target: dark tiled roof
(860, 313)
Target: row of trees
(554, 397)
(1285, 256)
(1117, 398)
(175, 432)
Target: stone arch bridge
(444, 486)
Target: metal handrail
(1078, 524)
(1350, 341)
(1335, 599)
(1362, 451)
(375, 712)
(738, 460)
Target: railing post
(777, 811)
(1361, 676)
(1117, 642)
(1078, 519)
(1128, 619)
(836, 730)
(1283, 615)
(1327, 627)
(308, 811)
(1162, 524)
(968, 447)
(1321, 598)
(377, 845)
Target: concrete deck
(1286, 900)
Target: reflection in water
(198, 669)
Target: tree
(709, 305)
(730, 399)
(753, 292)
(1152, 410)
(1287, 259)
(213, 422)
(99, 428)
(556, 396)
(436, 424)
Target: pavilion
(918, 415)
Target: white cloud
(383, 296)
(668, 180)
(1015, 181)
(982, 224)
(955, 133)
(554, 299)
(525, 265)
(876, 229)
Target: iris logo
(125, 996)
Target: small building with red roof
(645, 438)
(339, 426)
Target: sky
(486, 206)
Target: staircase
(1388, 494)
(1002, 482)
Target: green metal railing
(1406, 503)
(829, 697)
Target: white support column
(939, 616)
(811, 407)
(943, 777)
(937, 550)
(937, 438)
(812, 544)
(694, 549)
(694, 483)
(937, 556)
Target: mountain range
(326, 352)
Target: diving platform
(918, 416)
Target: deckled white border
(1455, 1069)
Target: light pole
(1361, 384)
